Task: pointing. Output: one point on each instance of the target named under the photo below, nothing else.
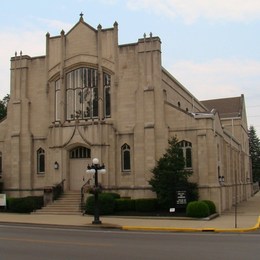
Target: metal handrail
(82, 190)
(61, 185)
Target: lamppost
(96, 168)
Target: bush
(106, 204)
(113, 194)
(197, 209)
(192, 191)
(125, 205)
(146, 205)
(24, 205)
(211, 205)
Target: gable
(81, 39)
(226, 107)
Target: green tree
(254, 150)
(3, 106)
(169, 175)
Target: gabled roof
(81, 20)
(226, 107)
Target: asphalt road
(27, 242)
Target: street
(28, 242)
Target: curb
(139, 228)
(101, 226)
(174, 229)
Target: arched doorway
(79, 159)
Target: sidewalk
(246, 219)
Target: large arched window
(187, 152)
(82, 94)
(80, 152)
(125, 158)
(40, 161)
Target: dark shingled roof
(226, 107)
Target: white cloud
(190, 10)
(55, 25)
(29, 39)
(29, 42)
(218, 78)
(223, 78)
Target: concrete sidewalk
(246, 219)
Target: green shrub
(89, 206)
(197, 209)
(113, 194)
(192, 191)
(146, 205)
(125, 205)
(106, 204)
(24, 205)
(211, 205)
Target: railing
(58, 190)
(255, 187)
(83, 190)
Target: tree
(169, 175)
(254, 150)
(3, 106)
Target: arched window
(125, 158)
(187, 152)
(107, 85)
(80, 152)
(40, 161)
(82, 94)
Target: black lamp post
(96, 168)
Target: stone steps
(68, 204)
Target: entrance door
(77, 171)
(79, 159)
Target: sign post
(2, 200)
(181, 198)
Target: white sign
(2, 200)
(172, 209)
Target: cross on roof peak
(81, 16)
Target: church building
(89, 97)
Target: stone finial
(62, 32)
(99, 27)
(115, 24)
(47, 35)
(151, 35)
(144, 35)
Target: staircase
(68, 204)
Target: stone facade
(90, 97)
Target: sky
(212, 47)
